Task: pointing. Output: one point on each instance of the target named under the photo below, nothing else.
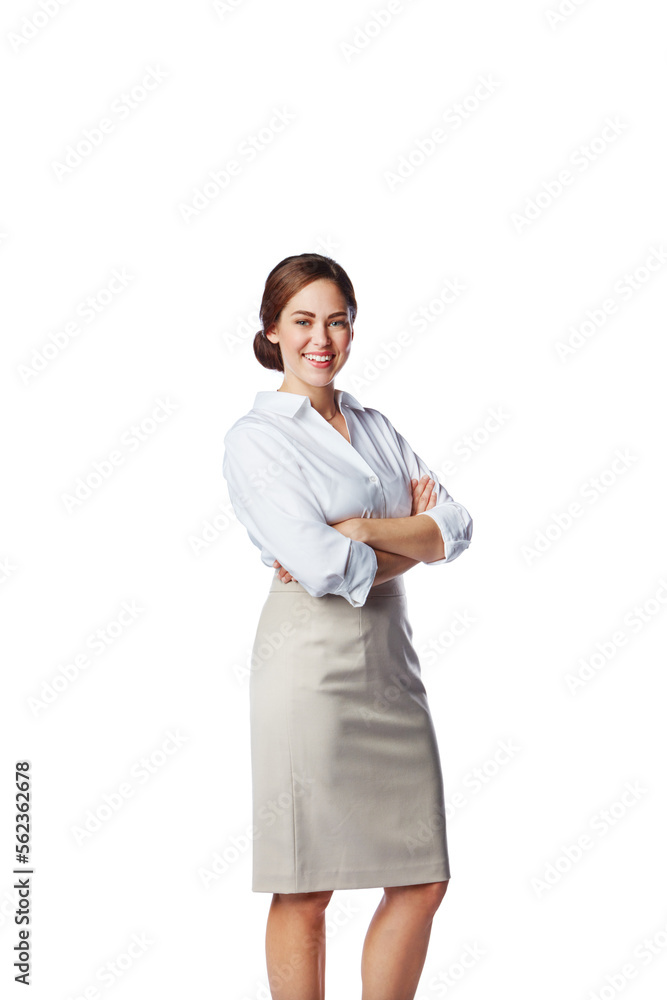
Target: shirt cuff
(360, 572)
(455, 528)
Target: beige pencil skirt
(347, 789)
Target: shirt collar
(289, 403)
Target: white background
(156, 533)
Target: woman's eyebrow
(304, 312)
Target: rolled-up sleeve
(452, 518)
(272, 499)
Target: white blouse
(290, 475)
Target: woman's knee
(307, 903)
(426, 896)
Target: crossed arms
(399, 542)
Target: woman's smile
(319, 360)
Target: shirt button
(373, 479)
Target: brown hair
(285, 280)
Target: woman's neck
(322, 398)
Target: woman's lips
(319, 364)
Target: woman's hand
(284, 575)
(423, 497)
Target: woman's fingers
(422, 494)
(427, 495)
(284, 575)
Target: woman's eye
(340, 322)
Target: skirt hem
(354, 880)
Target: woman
(347, 782)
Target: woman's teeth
(319, 359)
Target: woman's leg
(295, 945)
(397, 939)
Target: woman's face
(314, 321)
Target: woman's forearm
(418, 538)
(390, 564)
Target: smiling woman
(302, 338)
(334, 497)
(297, 333)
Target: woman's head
(308, 306)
